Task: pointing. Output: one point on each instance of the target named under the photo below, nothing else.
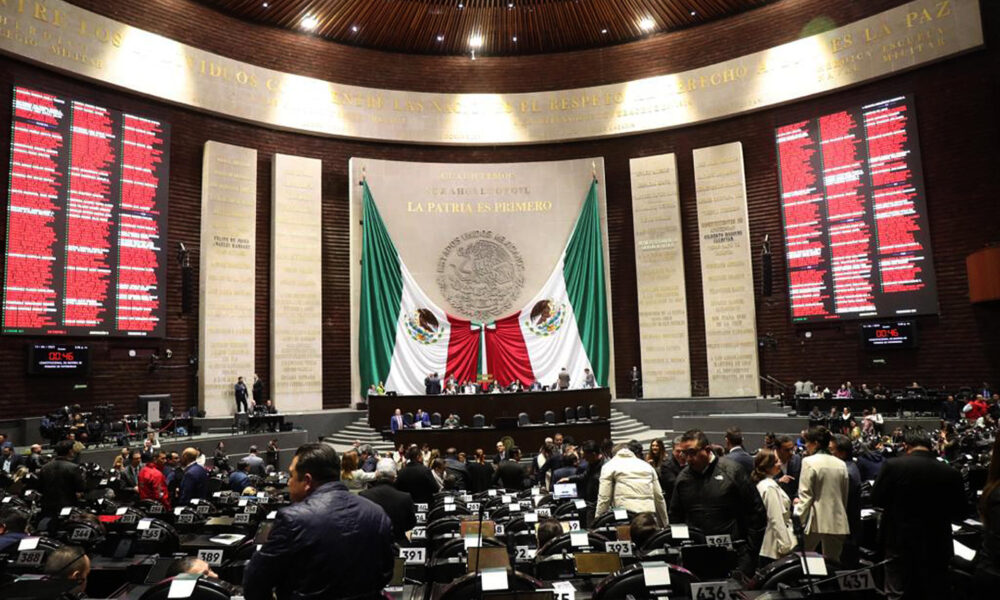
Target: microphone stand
(800, 533)
(479, 548)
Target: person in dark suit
(791, 466)
(61, 481)
(10, 460)
(920, 497)
(416, 479)
(480, 473)
(735, 451)
(456, 468)
(329, 543)
(258, 390)
(241, 392)
(398, 505)
(13, 523)
(194, 482)
(511, 474)
(987, 561)
(501, 455)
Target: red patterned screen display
(856, 238)
(86, 220)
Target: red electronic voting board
(86, 220)
(857, 243)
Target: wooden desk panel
(491, 406)
(529, 439)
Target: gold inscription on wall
(726, 271)
(226, 274)
(66, 37)
(297, 283)
(659, 267)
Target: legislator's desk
(491, 406)
(529, 438)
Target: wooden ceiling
(505, 27)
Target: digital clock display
(58, 359)
(892, 334)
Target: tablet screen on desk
(564, 490)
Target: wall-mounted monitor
(58, 359)
(889, 334)
(856, 234)
(86, 228)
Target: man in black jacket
(670, 469)
(920, 497)
(415, 479)
(329, 543)
(588, 483)
(511, 474)
(61, 480)
(398, 505)
(717, 497)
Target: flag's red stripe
(507, 353)
(463, 350)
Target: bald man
(194, 482)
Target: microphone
(479, 548)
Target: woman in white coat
(779, 537)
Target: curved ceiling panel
(488, 27)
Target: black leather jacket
(333, 544)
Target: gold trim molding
(67, 38)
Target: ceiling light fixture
(354, 28)
(460, 5)
(475, 41)
(647, 24)
(440, 38)
(309, 22)
(266, 5)
(604, 31)
(694, 13)
(514, 38)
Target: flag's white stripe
(412, 360)
(549, 354)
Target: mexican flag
(404, 336)
(566, 323)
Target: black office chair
(478, 420)
(407, 419)
(550, 417)
(435, 419)
(456, 548)
(523, 419)
(594, 412)
(159, 537)
(582, 413)
(569, 414)
(630, 583)
(204, 589)
(664, 539)
(438, 527)
(441, 512)
(568, 510)
(85, 533)
(564, 543)
(608, 519)
(787, 571)
(467, 587)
